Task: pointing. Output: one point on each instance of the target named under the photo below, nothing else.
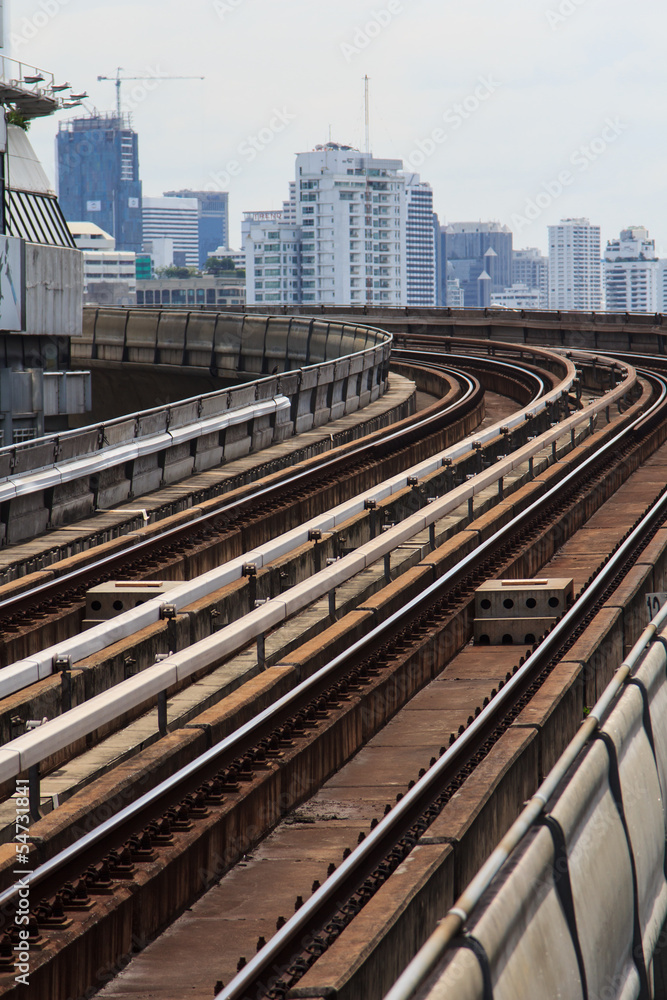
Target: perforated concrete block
(540, 598)
(113, 598)
(510, 631)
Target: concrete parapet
(295, 359)
(611, 818)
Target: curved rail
(158, 798)
(365, 858)
(451, 926)
(375, 445)
(19, 603)
(226, 641)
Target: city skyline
(523, 115)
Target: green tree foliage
(173, 271)
(216, 265)
(15, 118)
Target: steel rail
(538, 388)
(365, 858)
(153, 802)
(124, 624)
(436, 946)
(19, 602)
(224, 642)
(28, 750)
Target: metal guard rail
(369, 351)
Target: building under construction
(98, 175)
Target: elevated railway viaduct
(303, 717)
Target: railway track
(259, 743)
(47, 664)
(110, 567)
(321, 920)
(247, 506)
(249, 512)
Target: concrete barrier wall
(589, 331)
(612, 815)
(304, 379)
(224, 344)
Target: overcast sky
(525, 111)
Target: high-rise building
(479, 254)
(289, 206)
(420, 258)
(439, 264)
(632, 273)
(454, 294)
(98, 176)
(347, 211)
(575, 271)
(530, 268)
(661, 299)
(174, 219)
(212, 219)
(273, 259)
(352, 212)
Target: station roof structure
(31, 91)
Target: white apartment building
(104, 265)
(347, 213)
(174, 219)
(661, 299)
(420, 243)
(237, 256)
(633, 275)
(352, 212)
(455, 296)
(289, 206)
(272, 258)
(575, 270)
(531, 268)
(519, 296)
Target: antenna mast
(368, 117)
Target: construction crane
(118, 79)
